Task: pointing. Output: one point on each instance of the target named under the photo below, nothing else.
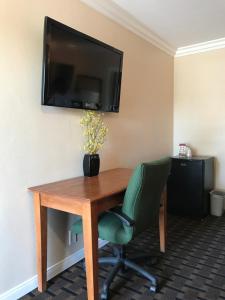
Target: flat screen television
(79, 71)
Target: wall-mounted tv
(78, 70)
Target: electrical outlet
(72, 238)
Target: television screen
(79, 71)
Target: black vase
(91, 164)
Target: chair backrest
(143, 194)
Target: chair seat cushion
(110, 228)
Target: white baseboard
(30, 284)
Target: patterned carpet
(192, 268)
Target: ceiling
(175, 25)
(180, 22)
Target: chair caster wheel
(104, 296)
(153, 288)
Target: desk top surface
(107, 183)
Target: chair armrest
(120, 215)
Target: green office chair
(140, 210)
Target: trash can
(217, 200)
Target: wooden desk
(87, 197)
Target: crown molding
(117, 14)
(201, 47)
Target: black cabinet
(189, 184)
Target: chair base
(120, 262)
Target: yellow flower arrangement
(94, 131)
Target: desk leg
(41, 241)
(90, 231)
(163, 222)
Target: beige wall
(42, 144)
(199, 106)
